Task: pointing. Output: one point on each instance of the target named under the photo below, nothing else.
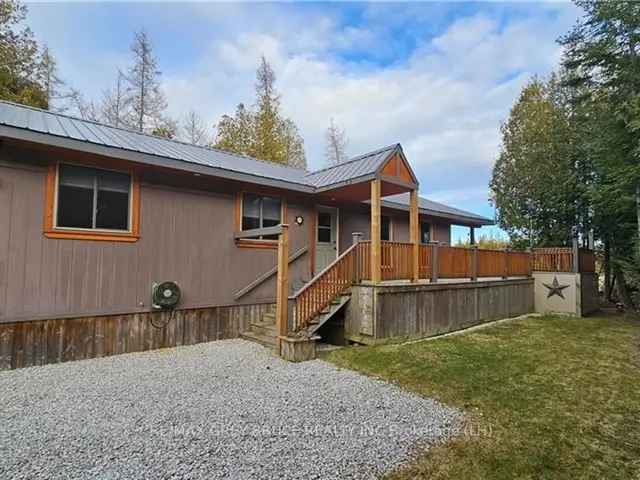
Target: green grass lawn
(547, 397)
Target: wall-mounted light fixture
(299, 220)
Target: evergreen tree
(535, 181)
(603, 57)
(263, 133)
(21, 69)
(236, 133)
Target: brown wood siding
(186, 236)
(26, 344)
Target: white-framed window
(260, 211)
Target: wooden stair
(262, 332)
(326, 314)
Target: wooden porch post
(282, 285)
(414, 235)
(376, 268)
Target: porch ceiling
(361, 191)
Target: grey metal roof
(429, 207)
(71, 128)
(355, 168)
(41, 126)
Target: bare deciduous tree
(147, 100)
(116, 105)
(59, 97)
(194, 129)
(86, 109)
(335, 149)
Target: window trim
(257, 242)
(51, 230)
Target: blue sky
(436, 77)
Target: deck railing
(435, 261)
(563, 259)
(350, 267)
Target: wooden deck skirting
(41, 342)
(381, 312)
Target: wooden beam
(376, 257)
(282, 285)
(414, 236)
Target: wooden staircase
(263, 332)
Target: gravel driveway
(227, 409)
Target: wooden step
(264, 340)
(269, 317)
(264, 328)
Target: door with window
(326, 237)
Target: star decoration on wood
(555, 288)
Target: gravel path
(226, 409)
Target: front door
(326, 237)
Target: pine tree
(147, 100)
(336, 144)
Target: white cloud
(443, 99)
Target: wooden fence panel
(426, 260)
(455, 262)
(492, 263)
(519, 264)
(553, 259)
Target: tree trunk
(607, 270)
(638, 212)
(623, 291)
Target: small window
(261, 212)
(425, 232)
(324, 227)
(385, 229)
(90, 198)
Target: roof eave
(458, 219)
(48, 139)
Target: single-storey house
(91, 216)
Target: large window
(89, 198)
(425, 232)
(261, 212)
(385, 229)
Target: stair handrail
(301, 319)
